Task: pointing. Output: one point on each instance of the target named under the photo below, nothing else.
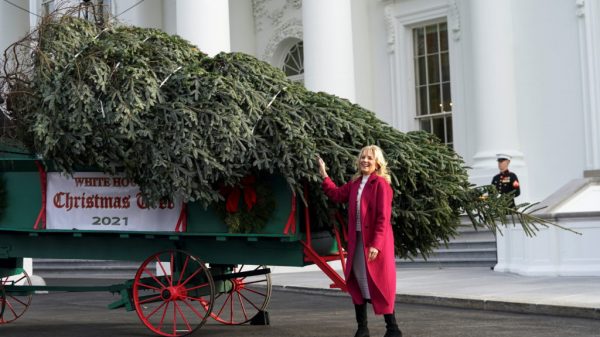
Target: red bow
(233, 194)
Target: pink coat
(376, 228)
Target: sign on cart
(96, 201)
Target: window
(432, 80)
(48, 6)
(97, 11)
(293, 64)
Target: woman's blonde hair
(379, 161)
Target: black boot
(361, 319)
(391, 327)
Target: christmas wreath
(248, 205)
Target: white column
(494, 90)
(204, 23)
(147, 14)
(589, 44)
(328, 48)
(243, 36)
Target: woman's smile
(367, 163)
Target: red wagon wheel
(239, 299)
(14, 303)
(171, 292)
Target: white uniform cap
(503, 156)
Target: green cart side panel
(270, 250)
(23, 199)
(206, 237)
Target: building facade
(499, 76)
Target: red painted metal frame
(291, 222)
(321, 261)
(182, 221)
(41, 219)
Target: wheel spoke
(191, 276)
(147, 271)
(164, 271)
(187, 324)
(199, 286)
(187, 258)
(242, 306)
(194, 309)
(164, 314)
(174, 319)
(255, 282)
(162, 302)
(246, 298)
(11, 308)
(254, 291)
(151, 299)
(147, 286)
(155, 310)
(17, 300)
(224, 303)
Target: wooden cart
(192, 272)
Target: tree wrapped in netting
(182, 125)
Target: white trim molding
(400, 19)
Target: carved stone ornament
(292, 28)
(259, 10)
(454, 18)
(390, 26)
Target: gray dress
(359, 267)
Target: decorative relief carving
(272, 12)
(259, 10)
(292, 28)
(390, 26)
(297, 4)
(454, 18)
(580, 5)
(276, 16)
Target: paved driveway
(292, 314)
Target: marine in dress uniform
(506, 181)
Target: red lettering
(78, 181)
(162, 205)
(122, 182)
(140, 201)
(58, 200)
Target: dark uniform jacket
(507, 182)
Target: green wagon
(195, 271)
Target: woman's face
(367, 162)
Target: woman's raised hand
(322, 169)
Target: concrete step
(470, 248)
(73, 268)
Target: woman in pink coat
(371, 276)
